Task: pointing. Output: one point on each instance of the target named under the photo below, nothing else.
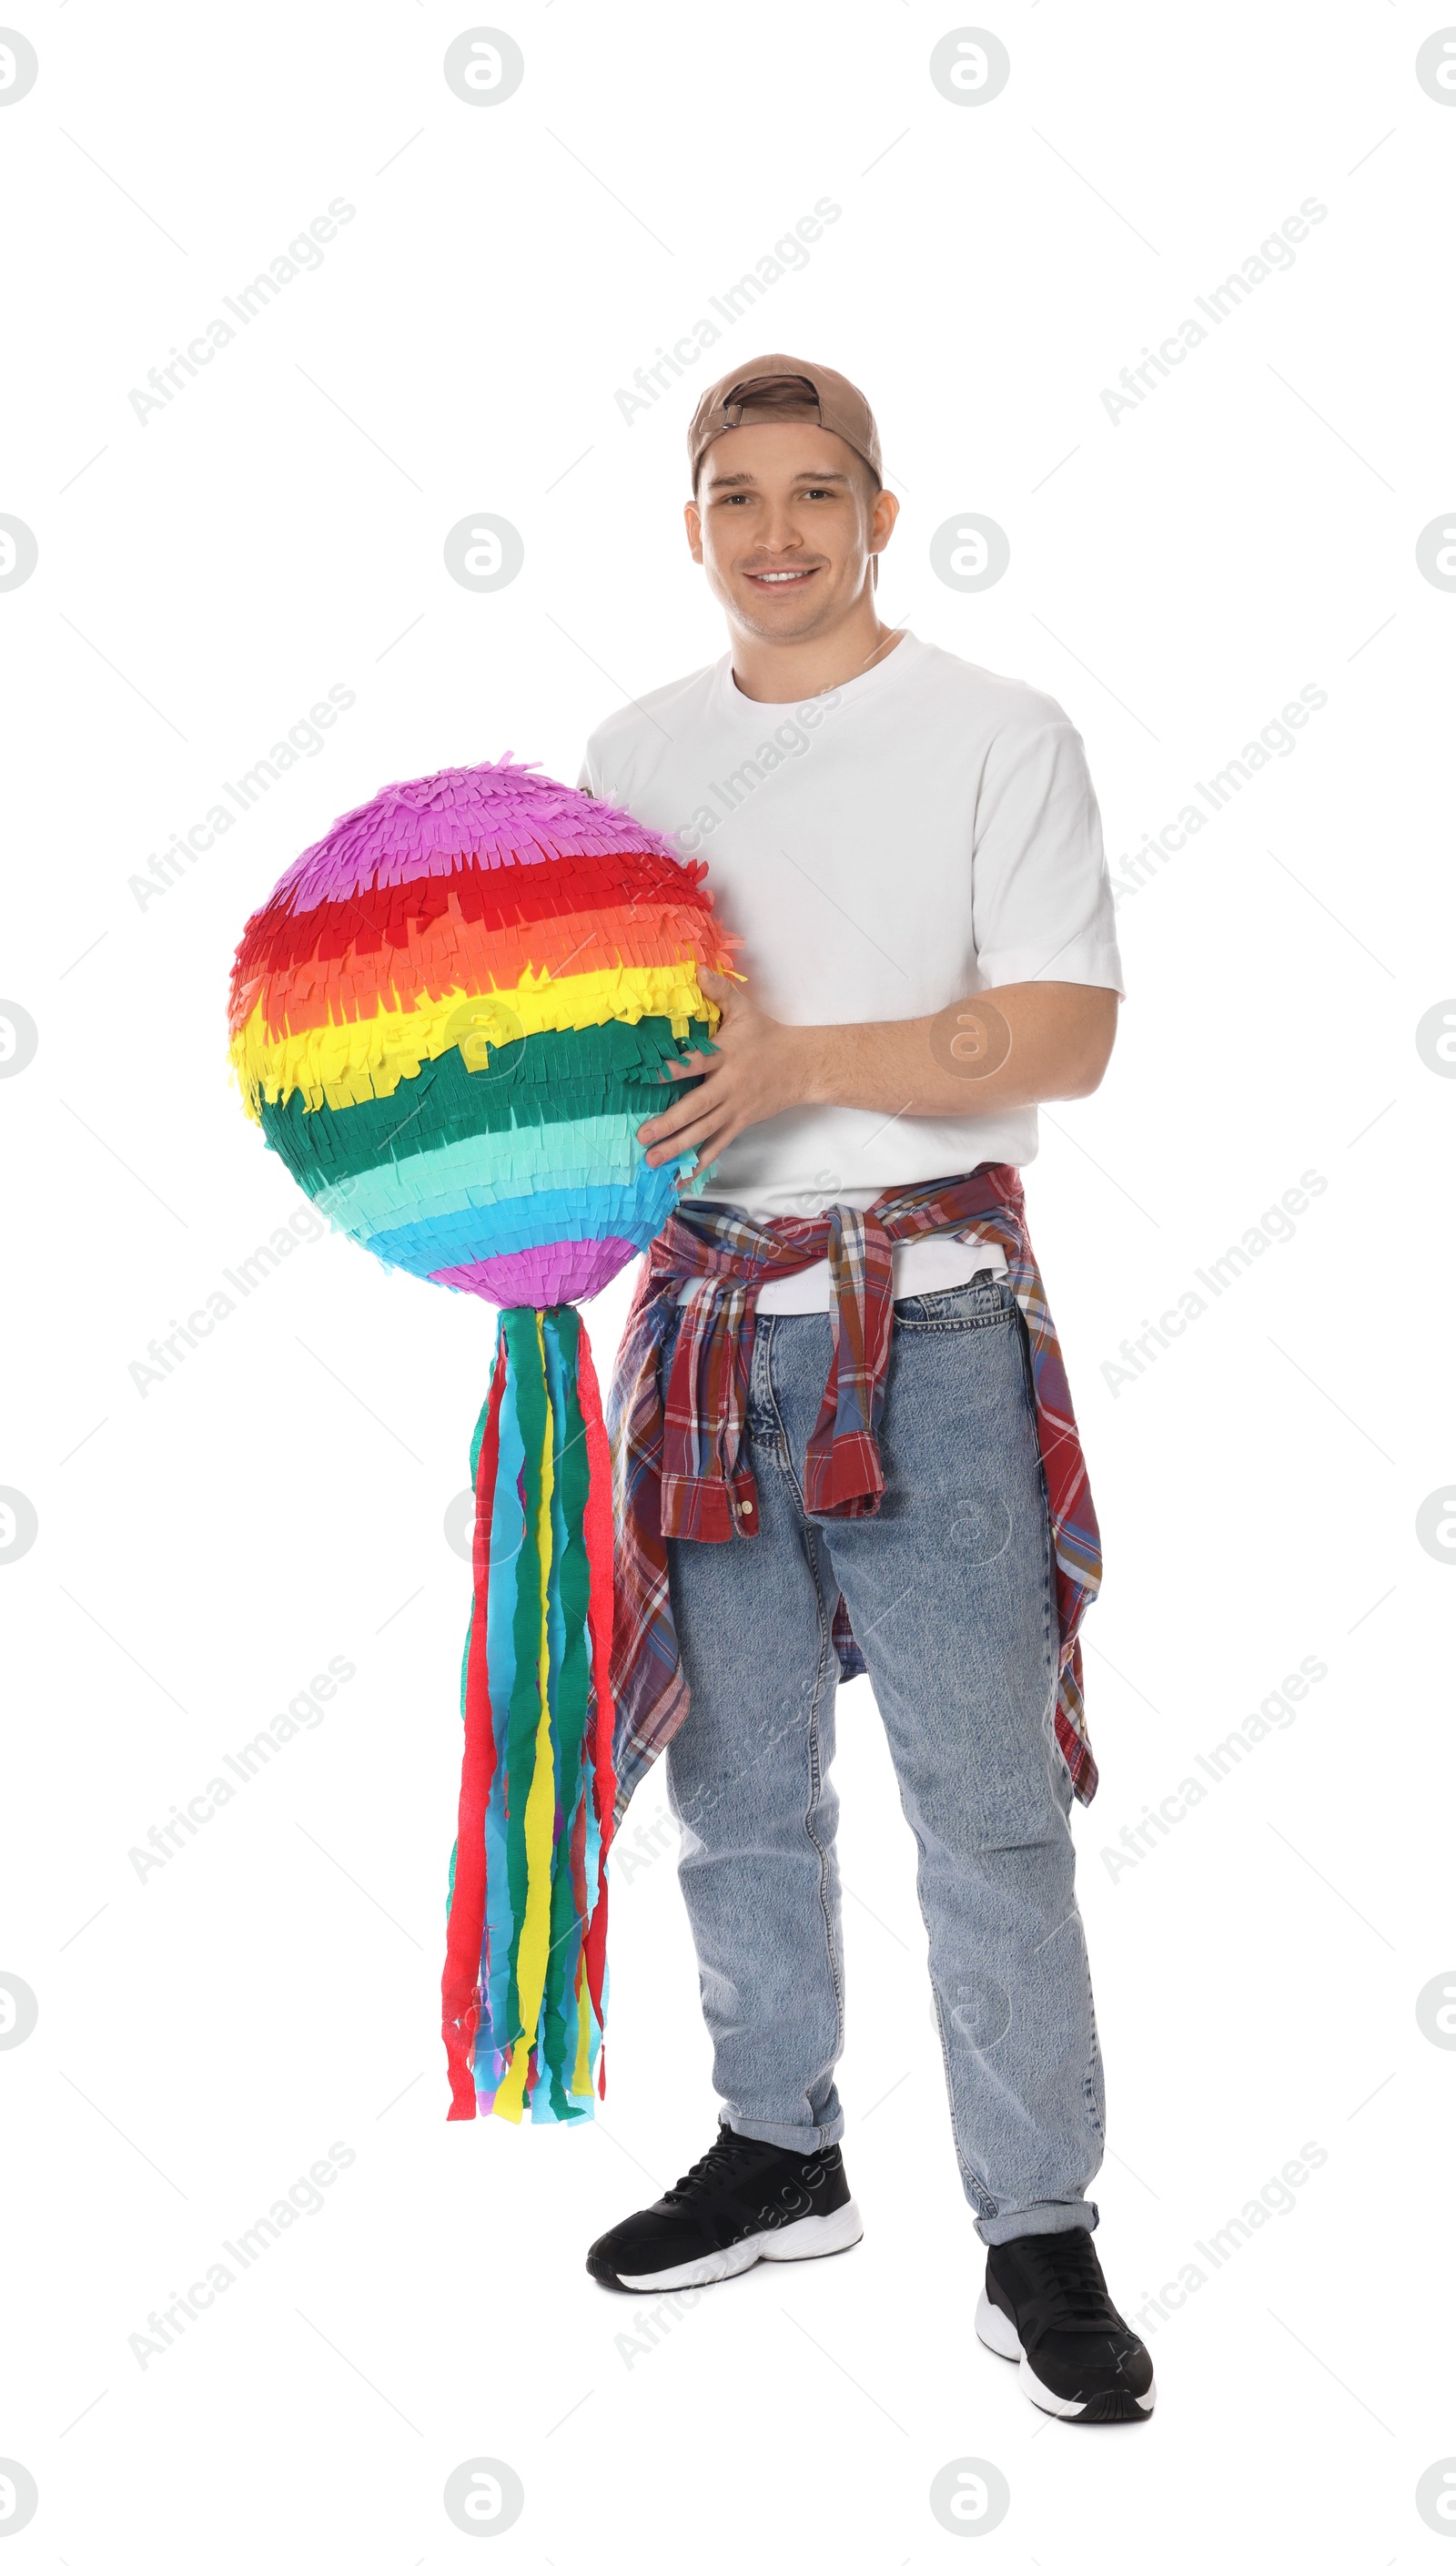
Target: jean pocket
(961, 1305)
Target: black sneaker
(1046, 2305)
(744, 2202)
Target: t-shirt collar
(748, 708)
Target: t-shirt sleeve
(1042, 902)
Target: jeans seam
(985, 2206)
(1049, 1587)
(1090, 2076)
(1090, 2080)
(777, 1445)
(951, 1327)
(822, 1673)
(762, 1365)
(816, 1780)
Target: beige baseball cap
(773, 388)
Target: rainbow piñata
(450, 1019)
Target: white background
(204, 1549)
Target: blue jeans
(950, 1591)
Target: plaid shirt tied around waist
(680, 1465)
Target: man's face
(785, 521)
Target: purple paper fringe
(501, 814)
(541, 1278)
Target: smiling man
(842, 1429)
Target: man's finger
(711, 1147)
(702, 1064)
(662, 1127)
(692, 1135)
(707, 1132)
(659, 1126)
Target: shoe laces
(1071, 2291)
(728, 2152)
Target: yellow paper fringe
(339, 1065)
(582, 2069)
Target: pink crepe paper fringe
(501, 814)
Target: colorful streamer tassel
(525, 1984)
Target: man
(842, 1429)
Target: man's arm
(1017, 1045)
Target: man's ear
(692, 520)
(881, 526)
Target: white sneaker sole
(998, 2334)
(801, 2242)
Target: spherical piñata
(449, 1019)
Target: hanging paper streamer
(449, 1019)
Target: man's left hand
(757, 1067)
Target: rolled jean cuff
(806, 2139)
(1051, 2219)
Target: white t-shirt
(924, 831)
